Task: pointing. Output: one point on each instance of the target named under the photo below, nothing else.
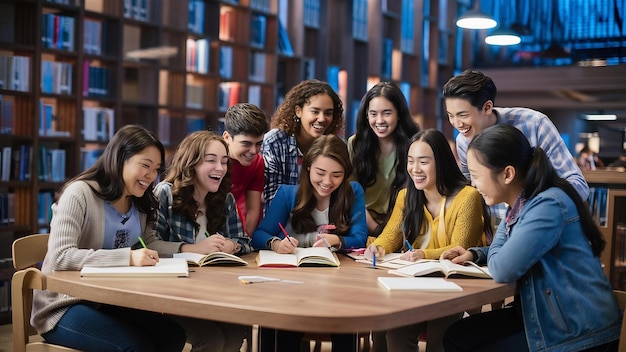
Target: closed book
(166, 267)
(215, 258)
(311, 256)
(424, 284)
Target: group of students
(390, 188)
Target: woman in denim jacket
(548, 244)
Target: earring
(296, 119)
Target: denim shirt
(176, 228)
(566, 300)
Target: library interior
(72, 72)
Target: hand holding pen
(374, 251)
(143, 256)
(288, 244)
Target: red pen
(285, 233)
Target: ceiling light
(474, 19)
(600, 117)
(503, 36)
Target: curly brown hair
(283, 117)
(182, 173)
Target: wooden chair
(621, 302)
(364, 345)
(28, 252)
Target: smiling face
(211, 170)
(140, 170)
(489, 184)
(468, 119)
(421, 166)
(382, 117)
(326, 176)
(316, 116)
(243, 147)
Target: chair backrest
(621, 302)
(28, 252)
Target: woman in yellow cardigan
(438, 191)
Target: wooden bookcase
(72, 72)
(612, 221)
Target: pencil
(143, 244)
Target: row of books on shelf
(194, 96)
(96, 80)
(15, 72)
(57, 31)
(98, 124)
(48, 121)
(44, 207)
(258, 29)
(226, 62)
(257, 70)
(196, 12)
(136, 9)
(197, 59)
(15, 162)
(359, 20)
(93, 36)
(7, 208)
(56, 77)
(6, 116)
(598, 203)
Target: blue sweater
(280, 212)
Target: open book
(389, 261)
(424, 284)
(443, 268)
(166, 267)
(215, 258)
(310, 256)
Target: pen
(374, 261)
(206, 233)
(408, 244)
(143, 244)
(285, 233)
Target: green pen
(206, 233)
(143, 244)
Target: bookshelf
(72, 72)
(607, 201)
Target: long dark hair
(341, 200)
(107, 170)
(449, 180)
(502, 145)
(182, 174)
(367, 149)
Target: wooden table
(341, 300)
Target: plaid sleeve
(233, 227)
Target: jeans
(494, 331)
(110, 328)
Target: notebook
(423, 284)
(166, 267)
